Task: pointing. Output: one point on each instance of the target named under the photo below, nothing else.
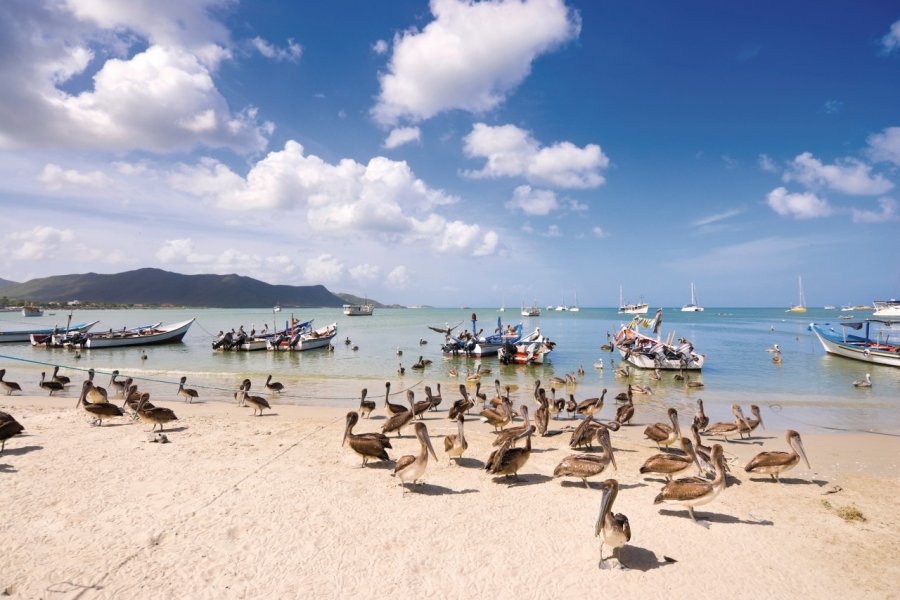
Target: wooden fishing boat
(145, 336)
(873, 346)
(645, 352)
(40, 334)
(305, 338)
(528, 350)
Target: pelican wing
(367, 446)
(404, 462)
(687, 488)
(768, 459)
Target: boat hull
(40, 334)
(359, 310)
(320, 338)
(634, 309)
(869, 353)
(886, 308)
(643, 352)
(170, 334)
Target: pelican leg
(691, 512)
(601, 554)
(585, 482)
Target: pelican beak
(604, 508)
(346, 432)
(759, 416)
(801, 451)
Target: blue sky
(459, 153)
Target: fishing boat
(801, 306)
(640, 308)
(529, 350)
(32, 311)
(531, 311)
(359, 310)
(303, 338)
(873, 346)
(693, 306)
(41, 335)
(886, 308)
(476, 344)
(241, 341)
(121, 338)
(645, 352)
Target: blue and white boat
(41, 334)
(871, 345)
(478, 345)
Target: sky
(459, 153)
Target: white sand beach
(237, 506)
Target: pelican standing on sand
(455, 444)
(9, 427)
(693, 491)
(700, 418)
(402, 419)
(96, 395)
(669, 464)
(101, 411)
(365, 406)
(392, 409)
(507, 461)
(776, 463)
(625, 413)
(366, 445)
(662, 433)
(257, 403)
(613, 529)
(588, 465)
(461, 406)
(118, 386)
(9, 386)
(188, 393)
(410, 468)
(157, 415)
(739, 425)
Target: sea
(808, 390)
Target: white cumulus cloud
(891, 40)
(291, 52)
(324, 268)
(511, 152)
(885, 146)
(364, 272)
(38, 243)
(398, 277)
(56, 178)
(800, 206)
(888, 212)
(470, 57)
(848, 176)
(402, 135)
(533, 202)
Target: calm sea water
(808, 389)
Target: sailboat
(632, 309)
(801, 307)
(693, 306)
(562, 307)
(574, 307)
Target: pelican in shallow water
(53, 386)
(613, 529)
(101, 411)
(625, 413)
(591, 405)
(410, 468)
(664, 434)
(274, 386)
(860, 383)
(694, 491)
(366, 445)
(776, 463)
(455, 444)
(588, 465)
(188, 393)
(119, 386)
(9, 386)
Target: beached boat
(359, 310)
(137, 336)
(693, 306)
(25, 335)
(468, 344)
(645, 352)
(303, 338)
(32, 311)
(529, 350)
(801, 306)
(531, 311)
(873, 346)
(886, 308)
(639, 308)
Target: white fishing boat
(531, 311)
(639, 308)
(32, 311)
(873, 346)
(39, 336)
(528, 350)
(886, 308)
(137, 336)
(801, 306)
(693, 306)
(304, 339)
(365, 309)
(645, 352)
(477, 344)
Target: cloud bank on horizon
(473, 150)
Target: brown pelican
(752, 424)
(392, 409)
(554, 405)
(588, 465)
(156, 414)
(95, 395)
(542, 414)
(463, 405)
(693, 491)
(571, 406)
(700, 418)
(410, 468)
(664, 434)
(692, 384)
(274, 385)
(623, 372)
(188, 393)
(703, 453)
(402, 419)
(498, 417)
(864, 383)
(586, 431)
(625, 412)
(239, 394)
(60, 378)
(776, 463)
(613, 529)
(725, 429)
(53, 386)
(669, 464)
(9, 386)
(257, 403)
(623, 396)
(365, 406)
(421, 406)
(367, 445)
(432, 399)
(9, 427)
(641, 389)
(455, 444)
(507, 460)
(118, 386)
(101, 411)
(419, 364)
(591, 405)
(510, 434)
(133, 401)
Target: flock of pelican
(678, 455)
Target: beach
(236, 506)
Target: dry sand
(242, 507)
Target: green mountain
(155, 286)
(6, 283)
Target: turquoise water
(808, 388)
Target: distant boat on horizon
(801, 306)
(693, 306)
